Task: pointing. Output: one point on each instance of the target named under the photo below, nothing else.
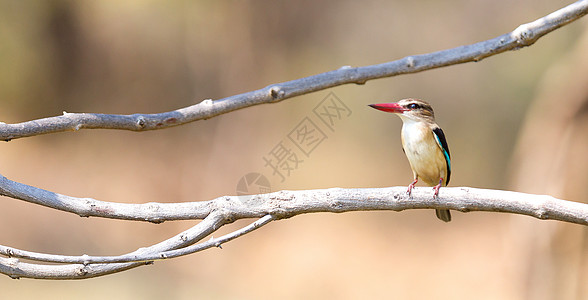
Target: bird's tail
(443, 215)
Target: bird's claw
(410, 186)
(436, 189)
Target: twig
(137, 256)
(17, 269)
(522, 36)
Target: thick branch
(522, 36)
(285, 204)
(87, 207)
(268, 207)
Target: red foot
(410, 186)
(436, 188)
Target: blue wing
(440, 137)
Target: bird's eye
(413, 106)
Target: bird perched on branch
(424, 144)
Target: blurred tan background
(514, 121)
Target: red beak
(389, 107)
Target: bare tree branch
(522, 36)
(286, 204)
(17, 269)
(268, 207)
(141, 255)
(88, 207)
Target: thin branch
(17, 269)
(522, 36)
(137, 256)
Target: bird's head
(413, 109)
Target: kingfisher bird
(424, 144)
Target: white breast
(424, 155)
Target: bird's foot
(410, 186)
(436, 189)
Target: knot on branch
(140, 122)
(277, 93)
(155, 217)
(410, 62)
(353, 75)
(524, 36)
(82, 271)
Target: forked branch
(286, 204)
